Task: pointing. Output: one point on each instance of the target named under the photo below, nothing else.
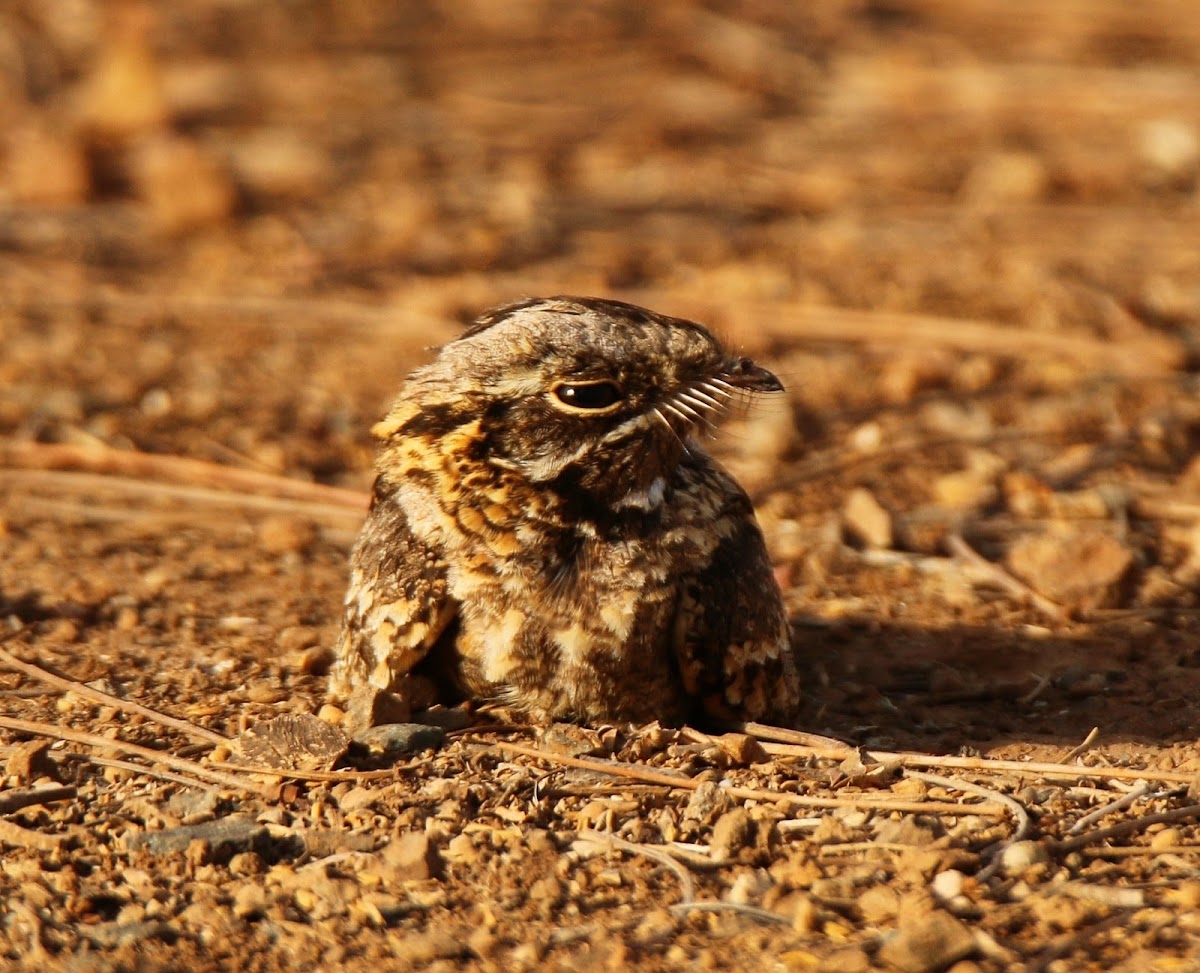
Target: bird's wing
(397, 604)
(732, 637)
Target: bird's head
(579, 393)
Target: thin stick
(746, 793)
(984, 764)
(1083, 747)
(687, 887)
(329, 775)
(750, 911)
(15, 800)
(110, 743)
(21, 454)
(112, 483)
(1020, 815)
(1119, 804)
(1129, 827)
(143, 771)
(12, 833)
(1017, 588)
(106, 699)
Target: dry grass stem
(110, 743)
(687, 886)
(107, 699)
(959, 548)
(1129, 827)
(1144, 789)
(630, 772)
(15, 800)
(20, 454)
(750, 911)
(1030, 768)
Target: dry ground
(966, 236)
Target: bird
(548, 532)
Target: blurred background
(223, 222)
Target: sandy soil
(965, 236)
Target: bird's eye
(590, 396)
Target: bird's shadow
(975, 689)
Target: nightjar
(546, 531)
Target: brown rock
(1076, 567)
(412, 857)
(865, 520)
(184, 186)
(369, 706)
(927, 943)
(293, 741)
(733, 831)
(284, 535)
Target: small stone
(293, 741)
(193, 806)
(1022, 855)
(184, 186)
(865, 519)
(846, 961)
(44, 167)
(250, 901)
(286, 535)
(927, 943)
(1166, 839)
(1075, 567)
(393, 739)
(965, 490)
(879, 904)
(658, 926)
(228, 835)
(357, 798)
(462, 849)
(706, 803)
(297, 638)
(247, 863)
(31, 760)
(947, 885)
(412, 857)
(369, 706)
(733, 831)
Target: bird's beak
(742, 373)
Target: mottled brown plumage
(546, 530)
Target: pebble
(1022, 855)
(369, 707)
(392, 739)
(927, 943)
(865, 519)
(1076, 567)
(110, 935)
(283, 535)
(733, 831)
(412, 857)
(231, 834)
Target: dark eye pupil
(589, 395)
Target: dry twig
(747, 793)
(687, 887)
(1002, 579)
(154, 756)
(106, 699)
(15, 800)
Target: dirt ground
(964, 234)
